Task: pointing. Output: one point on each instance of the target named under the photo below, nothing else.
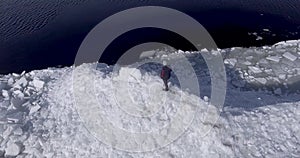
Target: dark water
(230, 23)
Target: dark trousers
(166, 84)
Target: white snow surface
(260, 118)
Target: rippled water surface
(36, 34)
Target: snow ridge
(38, 116)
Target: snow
(126, 73)
(260, 118)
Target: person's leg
(166, 85)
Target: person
(165, 75)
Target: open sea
(36, 34)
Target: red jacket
(165, 73)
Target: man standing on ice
(165, 74)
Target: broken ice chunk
(31, 73)
(10, 81)
(34, 109)
(204, 50)
(21, 82)
(247, 63)
(205, 98)
(38, 84)
(258, 38)
(269, 71)
(147, 54)
(12, 149)
(5, 94)
(261, 80)
(7, 132)
(180, 51)
(231, 61)
(289, 56)
(17, 102)
(278, 91)
(274, 79)
(254, 69)
(282, 76)
(215, 52)
(273, 58)
(18, 131)
(15, 75)
(249, 57)
(29, 90)
(19, 94)
(23, 73)
(17, 87)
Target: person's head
(164, 63)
